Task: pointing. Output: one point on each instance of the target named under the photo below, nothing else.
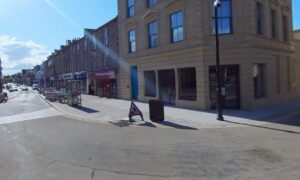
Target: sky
(31, 29)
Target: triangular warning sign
(134, 111)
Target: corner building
(167, 49)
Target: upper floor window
(130, 8)
(176, 26)
(259, 18)
(132, 41)
(285, 27)
(151, 3)
(153, 34)
(224, 17)
(85, 46)
(105, 37)
(94, 42)
(274, 24)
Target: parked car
(13, 88)
(35, 87)
(24, 88)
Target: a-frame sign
(134, 111)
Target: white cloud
(17, 55)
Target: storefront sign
(66, 76)
(80, 75)
(110, 74)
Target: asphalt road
(37, 143)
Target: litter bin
(156, 110)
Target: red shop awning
(105, 75)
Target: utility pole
(220, 117)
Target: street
(50, 146)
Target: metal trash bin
(156, 110)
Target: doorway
(231, 82)
(167, 89)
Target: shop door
(167, 91)
(134, 83)
(230, 80)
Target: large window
(259, 80)
(187, 83)
(153, 34)
(151, 3)
(274, 24)
(176, 26)
(285, 27)
(259, 18)
(150, 83)
(224, 17)
(130, 8)
(132, 42)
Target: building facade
(90, 62)
(297, 58)
(167, 50)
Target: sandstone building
(167, 49)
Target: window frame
(259, 18)
(130, 8)
(180, 84)
(151, 3)
(148, 89)
(177, 27)
(150, 35)
(130, 42)
(274, 23)
(230, 18)
(262, 83)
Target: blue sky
(31, 29)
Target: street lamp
(220, 117)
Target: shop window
(150, 83)
(259, 80)
(187, 83)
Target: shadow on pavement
(174, 125)
(126, 123)
(264, 127)
(86, 109)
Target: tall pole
(218, 69)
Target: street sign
(134, 111)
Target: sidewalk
(115, 111)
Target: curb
(67, 115)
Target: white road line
(49, 112)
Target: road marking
(49, 112)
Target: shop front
(104, 84)
(80, 78)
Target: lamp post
(220, 117)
